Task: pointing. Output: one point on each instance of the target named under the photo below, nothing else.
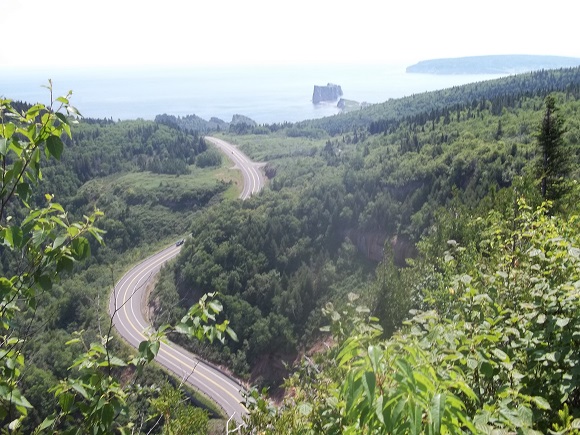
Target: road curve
(254, 180)
(129, 296)
(126, 303)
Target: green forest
(411, 267)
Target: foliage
(496, 94)
(379, 188)
(39, 246)
(428, 167)
(99, 396)
(44, 241)
(274, 272)
(495, 346)
(178, 417)
(211, 157)
(553, 163)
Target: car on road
(181, 242)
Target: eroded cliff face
(372, 245)
(330, 92)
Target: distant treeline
(503, 92)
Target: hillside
(339, 193)
(478, 332)
(400, 270)
(148, 179)
(498, 64)
(497, 91)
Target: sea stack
(330, 92)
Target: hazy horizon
(229, 33)
(265, 94)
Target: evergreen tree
(553, 166)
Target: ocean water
(267, 94)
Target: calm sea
(265, 94)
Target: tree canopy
(554, 161)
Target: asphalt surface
(128, 301)
(253, 178)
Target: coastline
(265, 94)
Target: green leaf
(48, 421)
(7, 236)
(64, 264)
(526, 415)
(34, 111)
(23, 190)
(56, 206)
(416, 419)
(437, 409)
(66, 401)
(154, 347)
(6, 287)
(379, 409)
(375, 354)
(232, 334)
(466, 279)
(74, 340)
(62, 118)
(500, 354)
(305, 409)
(352, 390)
(113, 361)
(45, 282)
(424, 382)
(472, 363)
(562, 321)
(369, 383)
(73, 111)
(54, 146)
(80, 389)
(58, 242)
(182, 328)
(541, 403)
(81, 248)
(98, 347)
(17, 236)
(216, 306)
(107, 415)
(407, 369)
(348, 352)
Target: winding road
(128, 302)
(253, 178)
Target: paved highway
(253, 177)
(128, 301)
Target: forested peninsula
(498, 64)
(411, 267)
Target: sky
(129, 33)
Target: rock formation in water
(330, 92)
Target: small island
(346, 106)
(498, 64)
(330, 92)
